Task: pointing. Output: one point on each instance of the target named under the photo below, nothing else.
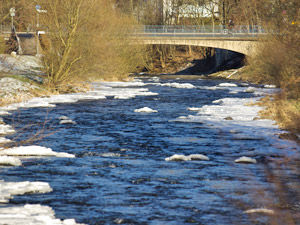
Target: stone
(228, 118)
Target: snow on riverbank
(32, 214)
(20, 64)
(33, 151)
(243, 124)
(37, 214)
(237, 117)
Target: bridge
(242, 39)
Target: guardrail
(198, 31)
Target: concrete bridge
(242, 39)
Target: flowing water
(120, 174)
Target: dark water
(119, 174)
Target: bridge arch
(247, 47)
(241, 39)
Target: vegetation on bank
(85, 39)
(90, 39)
(278, 62)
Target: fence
(198, 31)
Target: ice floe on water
(135, 83)
(242, 88)
(66, 120)
(4, 140)
(193, 108)
(145, 110)
(9, 161)
(227, 85)
(33, 151)
(237, 114)
(179, 85)
(176, 85)
(177, 157)
(245, 159)
(6, 129)
(9, 189)
(117, 90)
(260, 211)
(32, 214)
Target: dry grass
(286, 112)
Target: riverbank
(285, 111)
(20, 82)
(116, 140)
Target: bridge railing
(198, 31)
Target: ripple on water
(120, 175)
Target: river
(120, 175)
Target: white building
(197, 10)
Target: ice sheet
(6, 129)
(175, 85)
(4, 140)
(31, 214)
(9, 189)
(9, 161)
(33, 151)
(244, 120)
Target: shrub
(2, 45)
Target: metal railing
(198, 31)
